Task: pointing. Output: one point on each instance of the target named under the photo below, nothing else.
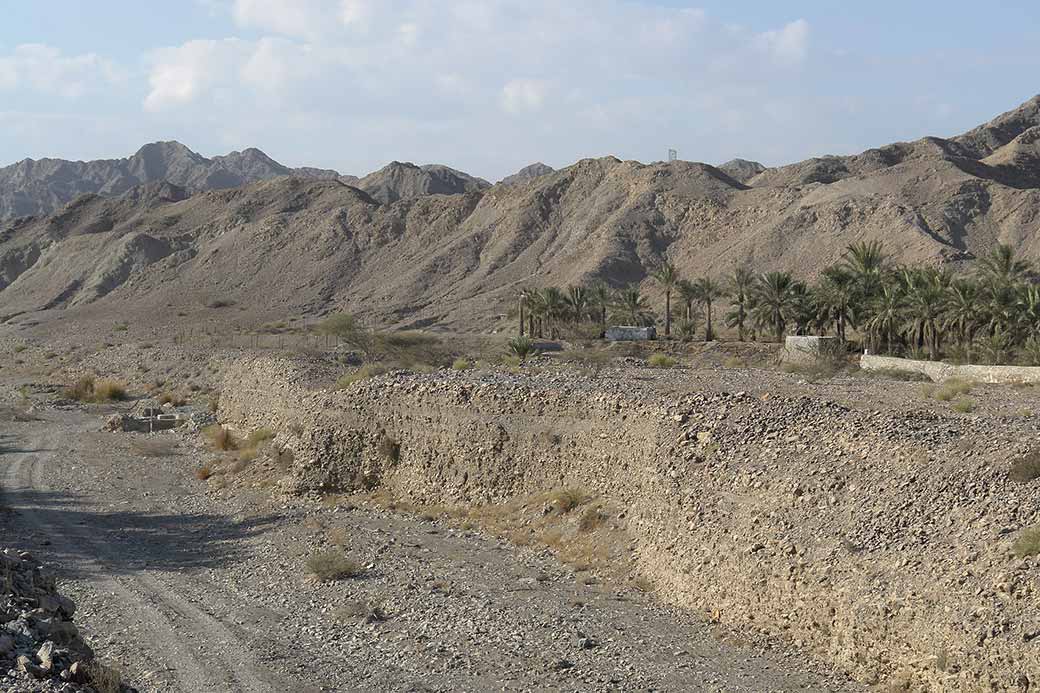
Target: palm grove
(990, 313)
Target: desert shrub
(284, 459)
(332, 565)
(82, 390)
(660, 361)
(1030, 353)
(173, 398)
(109, 391)
(1026, 468)
(220, 438)
(260, 436)
(220, 303)
(734, 362)
(389, 449)
(522, 347)
(953, 388)
(567, 499)
(898, 374)
(364, 373)
(1028, 543)
(510, 361)
(964, 405)
(245, 456)
(203, 473)
(461, 364)
(104, 678)
(20, 348)
(121, 327)
(590, 519)
(359, 610)
(214, 403)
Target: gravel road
(191, 589)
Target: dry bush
(567, 499)
(104, 678)
(173, 398)
(260, 436)
(734, 362)
(332, 565)
(338, 536)
(214, 403)
(1026, 468)
(109, 391)
(964, 405)
(660, 361)
(953, 388)
(82, 390)
(220, 438)
(359, 610)
(364, 373)
(155, 447)
(389, 449)
(203, 473)
(1028, 543)
(591, 519)
(643, 584)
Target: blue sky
(491, 85)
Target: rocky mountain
(741, 169)
(32, 188)
(294, 247)
(398, 181)
(528, 173)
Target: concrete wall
(623, 333)
(939, 372)
(809, 349)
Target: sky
(489, 86)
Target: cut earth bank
(880, 541)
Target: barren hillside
(290, 246)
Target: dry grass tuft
(359, 611)
(220, 438)
(104, 678)
(660, 361)
(203, 473)
(363, 373)
(87, 390)
(173, 398)
(567, 499)
(332, 565)
(591, 519)
(389, 449)
(965, 405)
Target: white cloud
(523, 96)
(47, 70)
(788, 45)
(302, 18)
(184, 74)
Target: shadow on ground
(55, 526)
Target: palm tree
(834, 296)
(865, 261)
(632, 308)
(741, 283)
(924, 305)
(601, 297)
(774, 301)
(688, 294)
(708, 290)
(554, 308)
(1002, 267)
(886, 316)
(667, 276)
(963, 312)
(521, 296)
(577, 299)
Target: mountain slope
(528, 173)
(291, 247)
(397, 181)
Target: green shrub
(332, 565)
(461, 364)
(259, 436)
(964, 405)
(1025, 468)
(660, 361)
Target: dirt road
(192, 590)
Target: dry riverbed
(190, 588)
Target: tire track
(203, 654)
